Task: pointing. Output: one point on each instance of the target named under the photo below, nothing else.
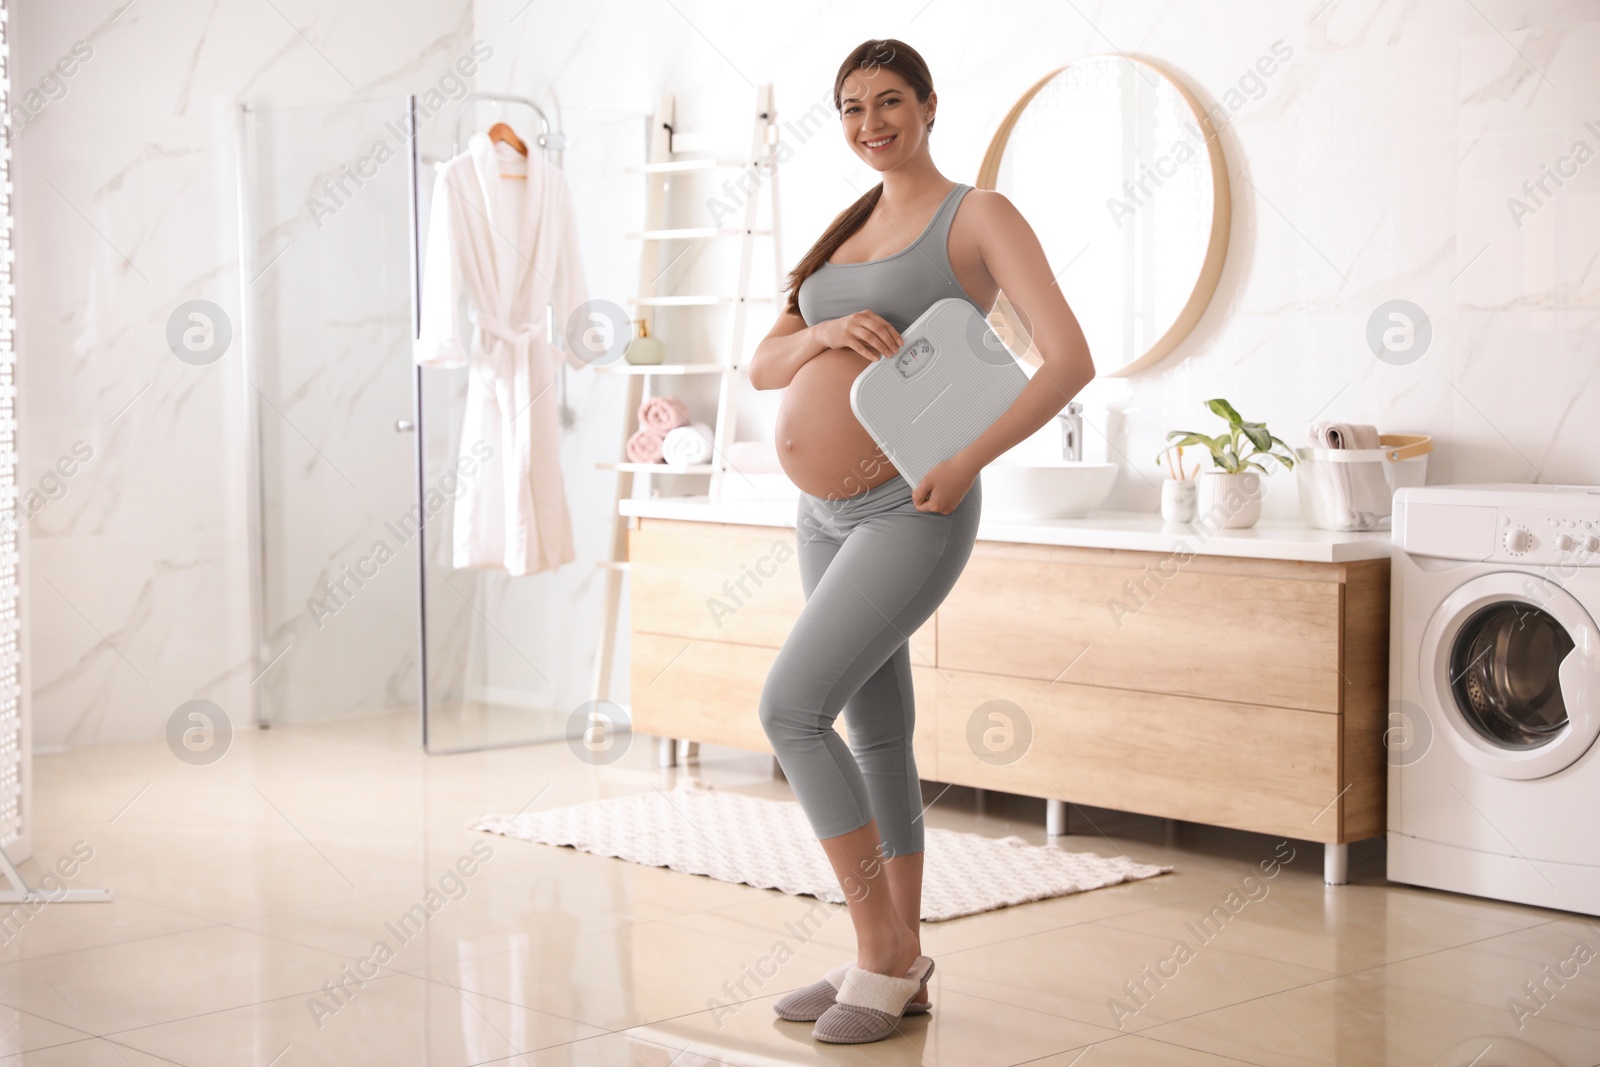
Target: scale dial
(916, 356)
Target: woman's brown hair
(905, 61)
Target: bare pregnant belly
(822, 446)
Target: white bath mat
(698, 829)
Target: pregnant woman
(877, 555)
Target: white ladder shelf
(665, 143)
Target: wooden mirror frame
(1221, 208)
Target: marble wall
(1384, 161)
(127, 207)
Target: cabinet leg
(1055, 817)
(666, 752)
(691, 750)
(1336, 864)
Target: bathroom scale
(948, 383)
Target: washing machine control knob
(1518, 540)
(1565, 543)
(1591, 544)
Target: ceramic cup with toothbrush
(1180, 492)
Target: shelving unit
(666, 143)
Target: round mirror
(1120, 172)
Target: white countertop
(1136, 531)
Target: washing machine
(1494, 686)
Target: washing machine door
(1511, 665)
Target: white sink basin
(1063, 489)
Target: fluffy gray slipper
(869, 1005)
(807, 1005)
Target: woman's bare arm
(788, 346)
(1016, 261)
(783, 352)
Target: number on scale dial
(914, 358)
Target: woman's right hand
(866, 333)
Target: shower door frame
(414, 196)
(255, 483)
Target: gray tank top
(898, 287)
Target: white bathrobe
(493, 264)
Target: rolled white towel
(686, 445)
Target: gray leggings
(873, 568)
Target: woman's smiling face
(882, 118)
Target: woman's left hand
(943, 487)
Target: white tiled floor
(243, 887)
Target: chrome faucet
(1072, 432)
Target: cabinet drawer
(1217, 629)
(724, 582)
(714, 581)
(1271, 770)
(710, 692)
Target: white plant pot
(1230, 501)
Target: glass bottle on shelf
(644, 349)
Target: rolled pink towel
(645, 446)
(663, 413)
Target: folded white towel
(686, 445)
(1361, 494)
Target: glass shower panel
(509, 659)
(327, 231)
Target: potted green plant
(1230, 493)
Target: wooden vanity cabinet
(1247, 693)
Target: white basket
(1403, 460)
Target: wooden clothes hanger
(502, 133)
